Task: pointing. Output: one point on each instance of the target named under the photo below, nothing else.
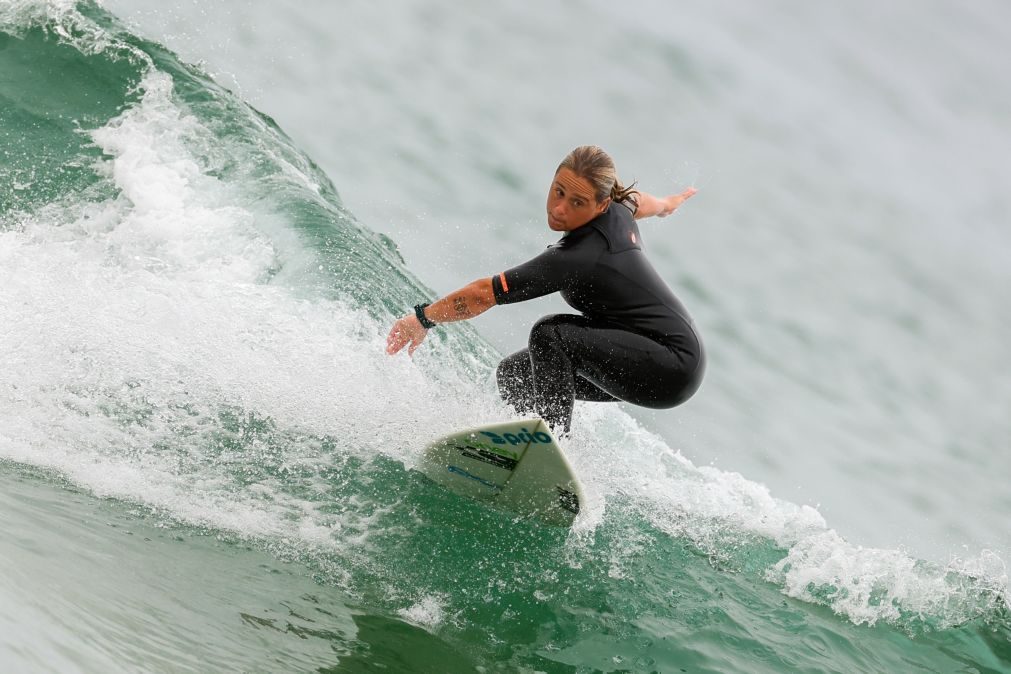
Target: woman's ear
(603, 205)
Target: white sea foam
(428, 613)
(131, 323)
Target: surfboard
(515, 466)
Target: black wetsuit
(633, 341)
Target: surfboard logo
(521, 438)
(500, 458)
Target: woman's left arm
(660, 206)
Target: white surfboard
(515, 466)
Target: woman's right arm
(473, 299)
(469, 301)
(542, 275)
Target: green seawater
(100, 585)
(206, 460)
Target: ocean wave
(193, 321)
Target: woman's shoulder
(618, 227)
(631, 203)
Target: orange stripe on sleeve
(505, 286)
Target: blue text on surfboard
(521, 438)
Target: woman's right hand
(406, 331)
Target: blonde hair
(596, 167)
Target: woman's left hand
(670, 203)
(406, 331)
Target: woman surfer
(632, 340)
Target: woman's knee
(514, 377)
(545, 332)
(514, 367)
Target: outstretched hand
(670, 203)
(406, 331)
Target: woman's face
(570, 202)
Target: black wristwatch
(419, 311)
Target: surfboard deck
(515, 466)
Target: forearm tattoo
(460, 306)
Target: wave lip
(867, 585)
